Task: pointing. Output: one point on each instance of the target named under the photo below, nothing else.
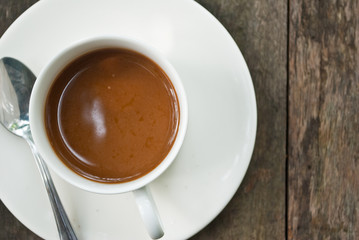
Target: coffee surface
(112, 115)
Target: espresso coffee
(112, 115)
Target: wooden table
(304, 59)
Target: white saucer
(222, 117)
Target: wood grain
(257, 211)
(10, 10)
(323, 135)
(322, 126)
(11, 228)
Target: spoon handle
(63, 224)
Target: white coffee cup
(40, 91)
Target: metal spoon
(16, 82)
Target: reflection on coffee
(112, 115)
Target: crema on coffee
(112, 115)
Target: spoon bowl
(16, 82)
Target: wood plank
(10, 10)
(257, 210)
(11, 228)
(323, 133)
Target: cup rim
(37, 108)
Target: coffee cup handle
(149, 212)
